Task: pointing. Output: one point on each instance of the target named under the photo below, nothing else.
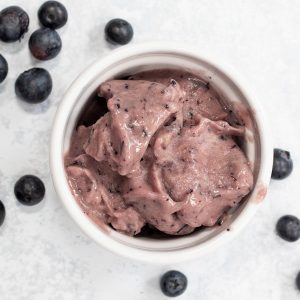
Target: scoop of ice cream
(162, 155)
(190, 177)
(137, 109)
(204, 168)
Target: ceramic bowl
(257, 146)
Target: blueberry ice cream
(165, 154)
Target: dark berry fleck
(118, 31)
(29, 190)
(232, 176)
(173, 82)
(2, 213)
(3, 68)
(14, 23)
(53, 14)
(173, 283)
(282, 164)
(34, 85)
(288, 228)
(145, 133)
(298, 281)
(45, 44)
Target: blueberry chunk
(2, 213)
(118, 31)
(29, 190)
(14, 23)
(288, 228)
(173, 283)
(282, 164)
(34, 85)
(45, 44)
(53, 14)
(3, 68)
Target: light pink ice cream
(164, 155)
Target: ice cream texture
(165, 154)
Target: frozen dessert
(165, 154)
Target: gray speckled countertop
(43, 255)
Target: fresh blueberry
(173, 283)
(2, 213)
(298, 281)
(14, 22)
(34, 85)
(282, 164)
(118, 31)
(288, 228)
(45, 44)
(53, 14)
(29, 190)
(3, 68)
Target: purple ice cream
(164, 155)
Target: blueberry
(288, 228)
(298, 281)
(282, 164)
(29, 190)
(2, 213)
(34, 85)
(45, 44)
(173, 283)
(53, 14)
(118, 31)
(14, 22)
(3, 68)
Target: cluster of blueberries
(35, 85)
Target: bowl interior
(230, 93)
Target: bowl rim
(58, 171)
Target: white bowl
(131, 59)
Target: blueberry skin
(34, 85)
(29, 190)
(118, 31)
(173, 283)
(45, 44)
(298, 281)
(282, 164)
(3, 68)
(288, 228)
(53, 14)
(2, 213)
(14, 23)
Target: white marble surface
(43, 255)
